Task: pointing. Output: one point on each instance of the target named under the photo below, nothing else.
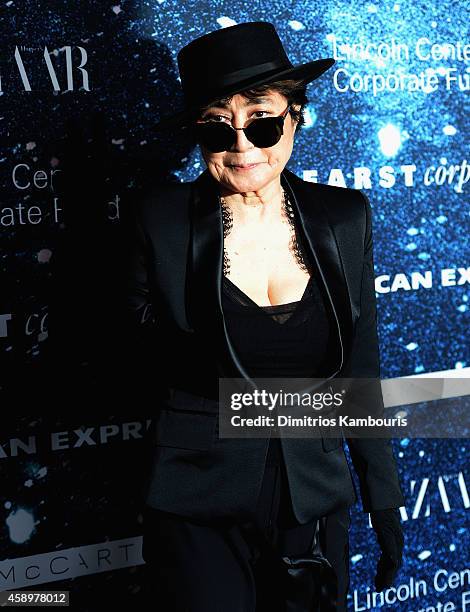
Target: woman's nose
(241, 142)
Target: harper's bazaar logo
(448, 492)
(66, 73)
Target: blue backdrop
(81, 86)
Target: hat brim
(306, 72)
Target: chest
(264, 265)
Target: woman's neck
(252, 206)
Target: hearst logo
(30, 72)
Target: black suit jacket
(174, 304)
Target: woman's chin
(249, 179)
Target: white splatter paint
(424, 554)
(296, 25)
(44, 255)
(226, 22)
(389, 139)
(20, 525)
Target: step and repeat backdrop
(81, 87)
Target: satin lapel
(323, 246)
(205, 300)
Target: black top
(281, 340)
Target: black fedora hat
(232, 59)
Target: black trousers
(229, 566)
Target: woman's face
(269, 161)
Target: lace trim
(288, 211)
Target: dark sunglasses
(220, 136)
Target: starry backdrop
(76, 152)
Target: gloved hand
(387, 526)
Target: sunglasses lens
(264, 132)
(216, 137)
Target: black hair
(293, 90)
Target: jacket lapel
(322, 245)
(206, 268)
(205, 278)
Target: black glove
(387, 526)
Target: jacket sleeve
(140, 308)
(372, 458)
(141, 322)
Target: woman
(249, 271)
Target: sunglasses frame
(278, 118)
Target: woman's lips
(243, 167)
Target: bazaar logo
(81, 82)
(448, 491)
